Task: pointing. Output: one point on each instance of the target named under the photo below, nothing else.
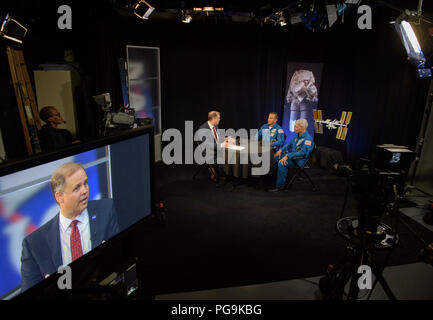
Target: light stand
(421, 140)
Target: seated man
(52, 138)
(80, 226)
(214, 142)
(300, 147)
(272, 133)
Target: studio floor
(245, 243)
(407, 282)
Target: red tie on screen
(214, 132)
(76, 250)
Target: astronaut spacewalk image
(302, 95)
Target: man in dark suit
(213, 143)
(79, 227)
(50, 136)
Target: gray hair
(302, 122)
(58, 178)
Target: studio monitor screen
(113, 192)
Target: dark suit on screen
(42, 255)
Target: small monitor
(12, 30)
(396, 156)
(424, 72)
(119, 181)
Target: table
(253, 151)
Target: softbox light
(417, 40)
(143, 9)
(13, 30)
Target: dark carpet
(224, 237)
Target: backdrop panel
(302, 95)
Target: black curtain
(240, 70)
(367, 72)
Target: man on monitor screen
(80, 226)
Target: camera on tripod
(125, 118)
(377, 185)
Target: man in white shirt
(80, 226)
(214, 143)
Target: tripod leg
(384, 284)
(372, 289)
(354, 290)
(346, 194)
(196, 173)
(385, 287)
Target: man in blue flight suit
(272, 132)
(300, 147)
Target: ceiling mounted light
(208, 9)
(417, 38)
(11, 29)
(142, 9)
(281, 21)
(185, 17)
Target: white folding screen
(144, 87)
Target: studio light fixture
(185, 17)
(208, 9)
(281, 20)
(417, 38)
(143, 9)
(12, 30)
(416, 33)
(410, 42)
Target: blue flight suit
(274, 136)
(299, 146)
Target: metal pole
(424, 130)
(419, 8)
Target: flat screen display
(119, 195)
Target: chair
(301, 170)
(207, 167)
(210, 169)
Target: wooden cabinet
(56, 88)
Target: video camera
(378, 183)
(124, 118)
